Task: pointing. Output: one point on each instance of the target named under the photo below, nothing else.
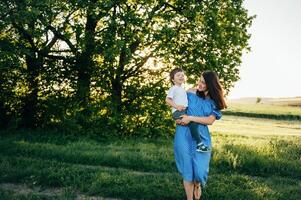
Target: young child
(177, 99)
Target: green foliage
(104, 63)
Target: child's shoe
(202, 148)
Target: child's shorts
(177, 114)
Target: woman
(204, 105)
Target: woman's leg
(188, 186)
(197, 192)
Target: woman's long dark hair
(215, 90)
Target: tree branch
(173, 8)
(26, 35)
(135, 70)
(63, 38)
(47, 48)
(55, 57)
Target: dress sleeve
(217, 113)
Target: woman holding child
(204, 105)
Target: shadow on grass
(109, 182)
(237, 171)
(141, 156)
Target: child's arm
(170, 102)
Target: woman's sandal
(197, 191)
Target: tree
(118, 53)
(23, 19)
(258, 99)
(194, 35)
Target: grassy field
(257, 127)
(253, 159)
(268, 111)
(288, 101)
(265, 109)
(293, 101)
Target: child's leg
(177, 114)
(195, 132)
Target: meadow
(253, 159)
(265, 110)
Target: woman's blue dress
(193, 165)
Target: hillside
(289, 101)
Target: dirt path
(22, 189)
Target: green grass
(242, 167)
(247, 126)
(264, 111)
(121, 169)
(252, 159)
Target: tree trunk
(84, 62)
(117, 87)
(116, 108)
(3, 115)
(116, 95)
(3, 118)
(30, 109)
(84, 77)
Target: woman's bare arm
(202, 120)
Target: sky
(273, 67)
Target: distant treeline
(263, 115)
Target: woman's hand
(185, 120)
(178, 121)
